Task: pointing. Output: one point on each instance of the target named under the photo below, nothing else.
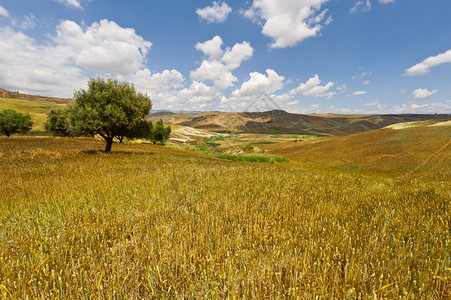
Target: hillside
(279, 121)
(47, 100)
(410, 149)
(37, 110)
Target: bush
(12, 121)
(58, 122)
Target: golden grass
(421, 151)
(149, 221)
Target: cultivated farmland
(159, 222)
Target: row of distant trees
(108, 108)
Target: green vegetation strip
(247, 158)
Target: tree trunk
(109, 143)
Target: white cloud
(376, 105)
(403, 91)
(258, 84)
(425, 66)
(422, 93)
(150, 83)
(27, 22)
(366, 82)
(104, 46)
(233, 57)
(361, 75)
(312, 88)
(288, 22)
(437, 107)
(212, 47)
(72, 3)
(58, 66)
(3, 12)
(386, 1)
(360, 6)
(36, 68)
(220, 63)
(217, 13)
(359, 93)
(314, 108)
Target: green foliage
(247, 158)
(12, 121)
(108, 108)
(160, 133)
(142, 129)
(58, 122)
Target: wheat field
(154, 222)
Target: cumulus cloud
(359, 93)
(211, 48)
(288, 22)
(258, 84)
(104, 46)
(71, 3)
(422, 93)
(233, 57)
(219, 65)
(152, 84)
(36, 68)
(217, 13)
(437, 107)
(3, 12)
(360, 6)
(312, 88)
(425, 66)
(58, 66)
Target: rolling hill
(422, 147)
(279, 121)
(36, 106)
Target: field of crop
(417, 151)
(150, 221)
(37, 110)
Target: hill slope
(279, 121)
(37, 110)
(408, 150)
(48, 100)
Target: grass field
(38, 111)
(149, 221)
(416, 151)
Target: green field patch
(38, 111)
(234, 157)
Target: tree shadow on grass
(93, 152)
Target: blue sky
(309, 56)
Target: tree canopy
(160, 133)
(108, 108)
(12, 121)
(58, 122)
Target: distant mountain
(269, 122)
(279, 121)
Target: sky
(306, 56)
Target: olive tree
(160, 133)
(12, 121)
(58, 122)
(108, 108)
